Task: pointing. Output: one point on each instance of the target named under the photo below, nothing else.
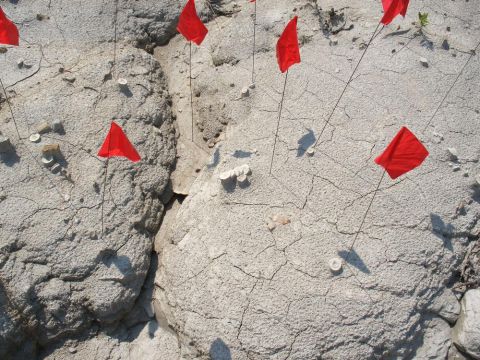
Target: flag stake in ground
(254, 40)
(364, 217)
(346, 85)
(191, 90)
(288, 53)
(472, 54)
(10, 107)
(115, 20)
(278, 123)
(192, 28)
(391, 8)
(116, 144)
(404, 153)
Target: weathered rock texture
(243, 271)
(466, 333)
(265, 292)
(58, 271)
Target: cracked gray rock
(230, 284)
(58, 272)
(466, 333)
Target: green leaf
(423, 18)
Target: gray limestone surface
(62, 265)
(243, 265)
(244, 271)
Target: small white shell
(335, 264)
(242, 179)
(35, 138)
(122, 82)
(226, 176)
(48, 160)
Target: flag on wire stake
(288, 54)
(391, 9)
(404, 153)
(116, 144)
(9, 35)
(192, 28)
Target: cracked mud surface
(242, 272)
(227, 278)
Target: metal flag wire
(364, 218)
(191, 90)
(278, 123)
(115, 19)
(348, 83)
(105, 181)
(254, 40)
(11, 111)
(472, 54)
(305, 206)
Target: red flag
(117, 144)
(392, 8)
(8, 31)
(288, 52)
(403, 154)
(190, 25)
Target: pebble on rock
(424, 61)
(311, 151)
(51, 150)
(57, 126)
(453, 153)
(245, 92)
(43, 128)
(56, 168)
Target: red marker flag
(403, 154)
(8, 31)
(117, 144)
(288, 52)
(190, 25)
(392, 8)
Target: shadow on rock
(220, 351)
(305, 142)
(352, 258)
(442, 230)
(10, 158)
(215, 160)
(240, 154)
(122, 262)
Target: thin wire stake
(105, 182)
(254, 40)
(115, 38)
(346, 85)
(451, 87)
(364, 217)
(11, 111)
(191, 91)
(278, 123)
